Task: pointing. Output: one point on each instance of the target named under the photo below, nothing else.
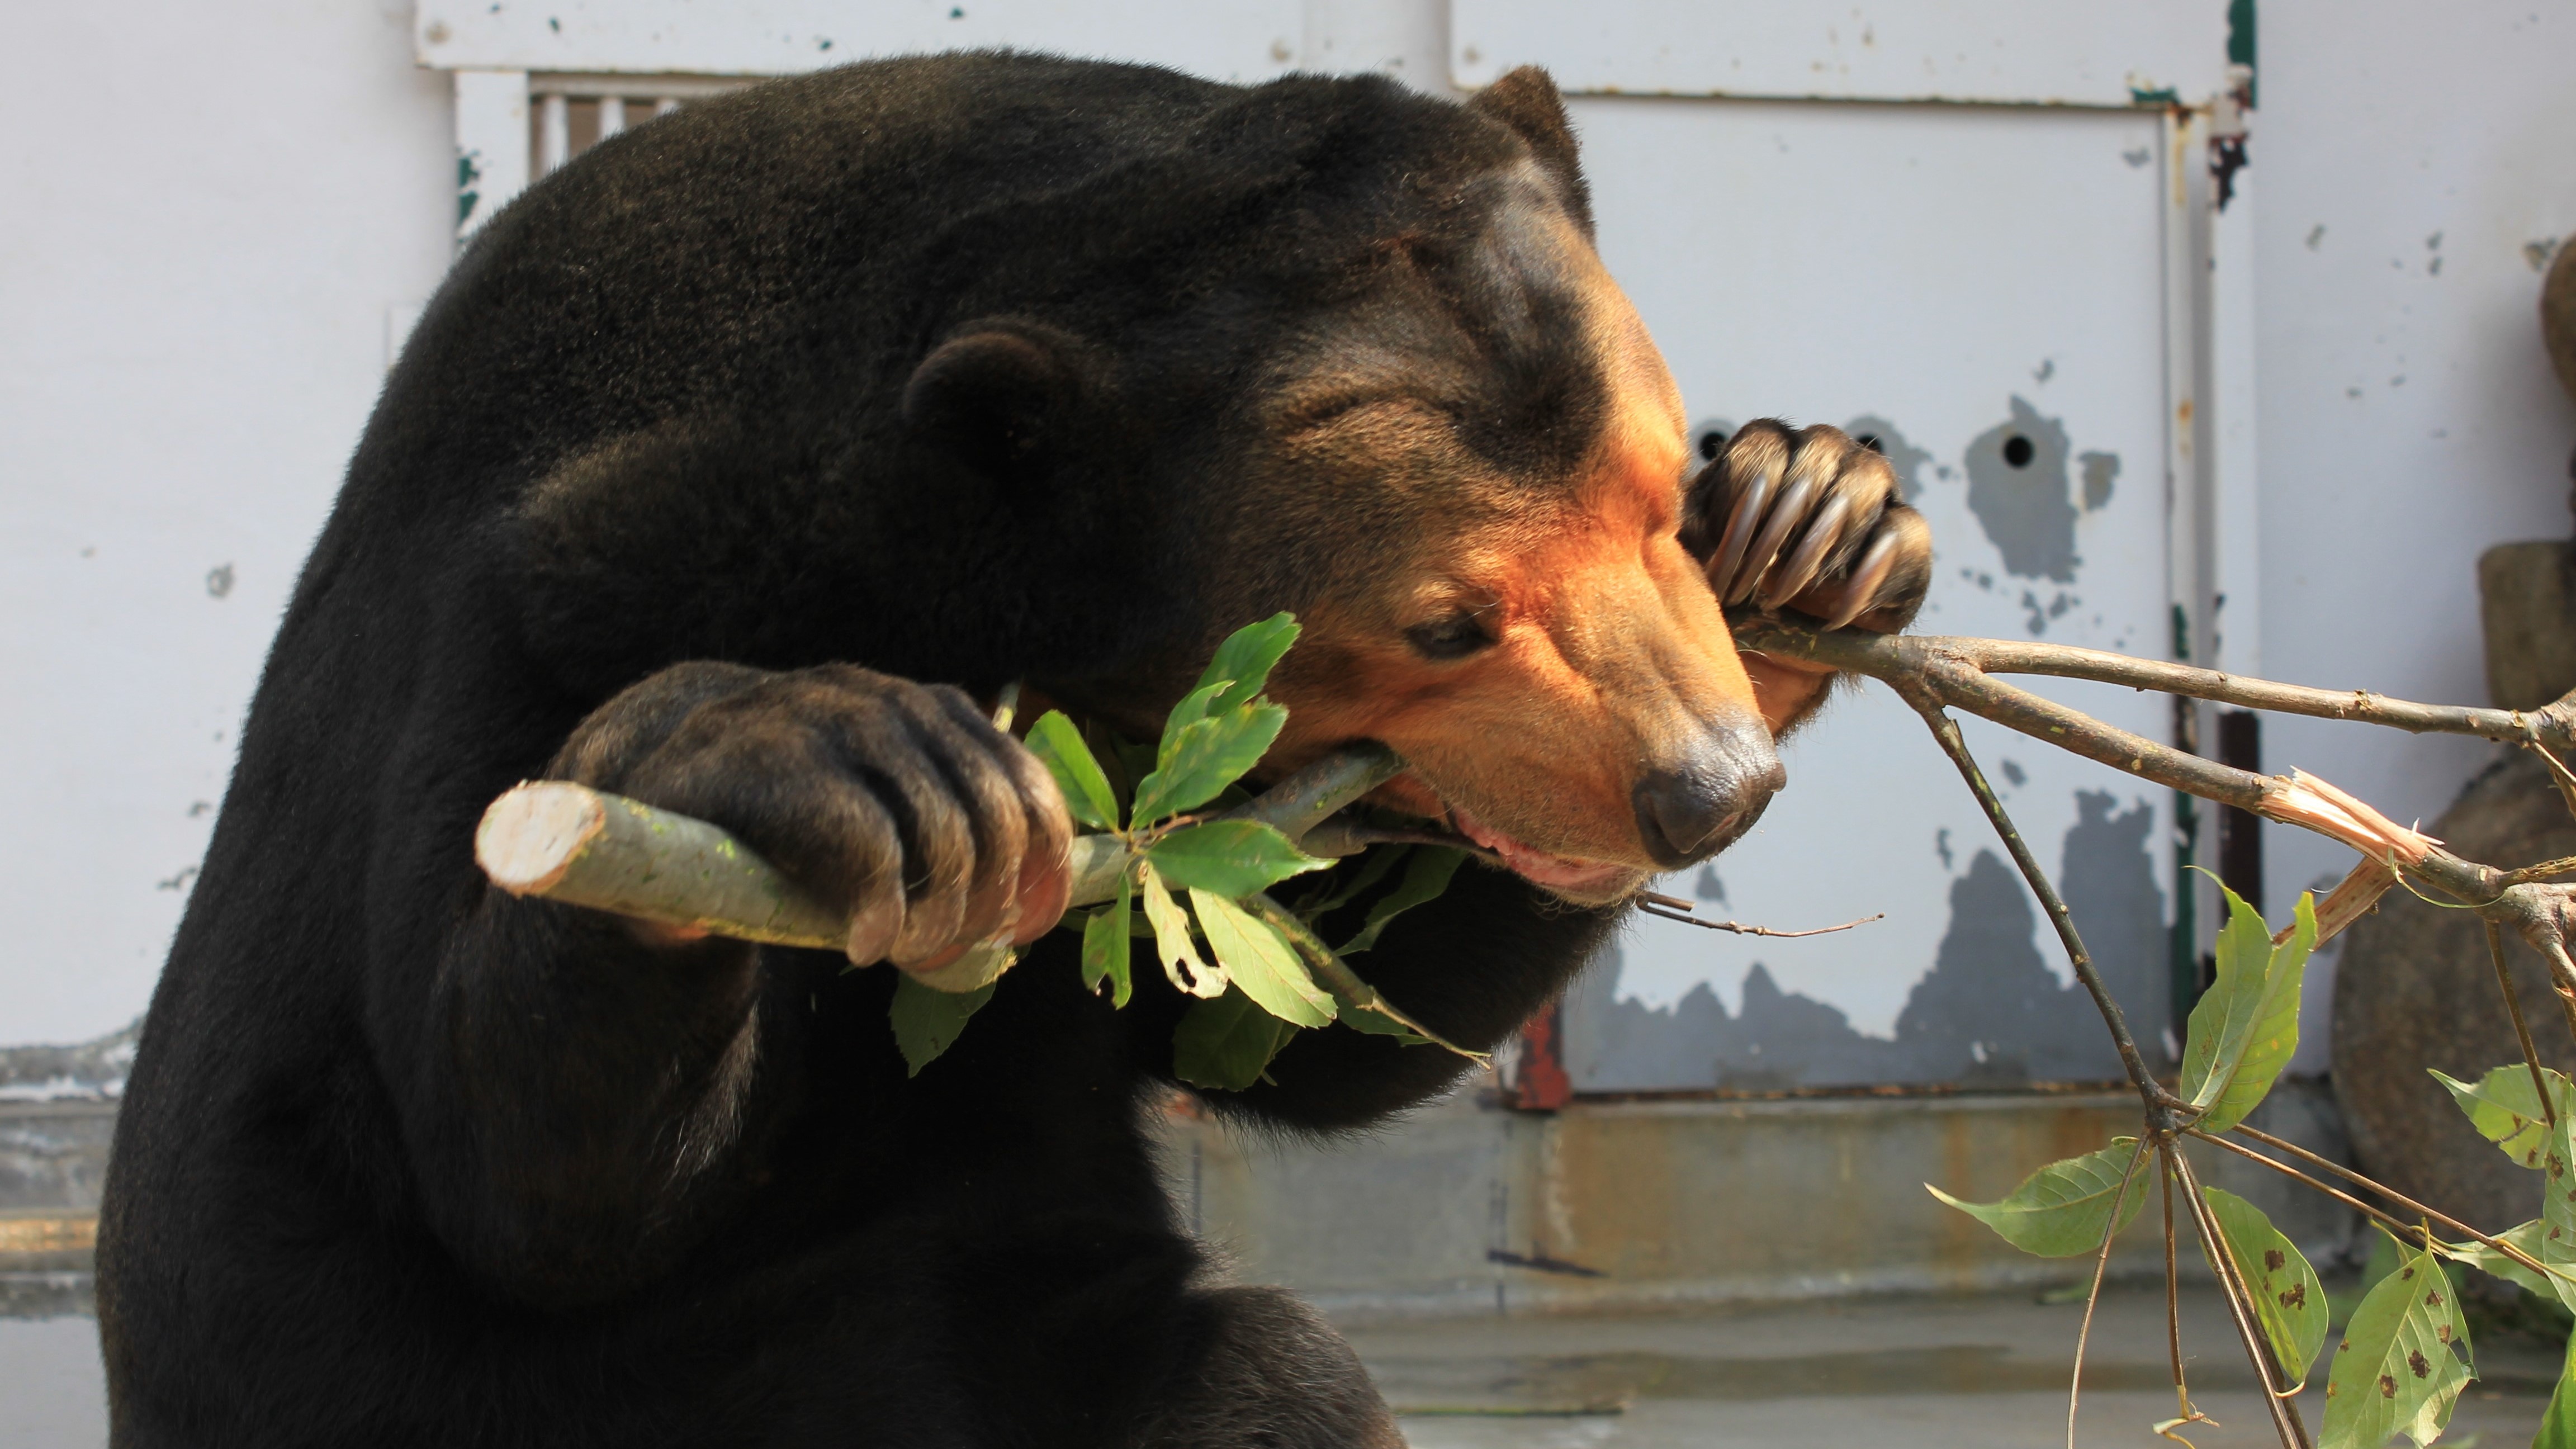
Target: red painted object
(1541, 1084)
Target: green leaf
(2558, 1201)
(1226, 1043)
(1172, 937)
(1426, 875)
(1054, 740)
(2287, 1296)
(1203, 758)
(2060, 1210)
(927, 1020)
(2557, 1285)
(1232, 858)
(1192, 709)
(2558, 1425)
(2247, 1023)
(1259, 960)
(2505, 1108)
(2402, 1363)
(1105, 947)
(1244, 661)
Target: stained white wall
(212, 209)
(208, 210)
(2409, 159)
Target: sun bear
(736, 467)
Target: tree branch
(1931, 672)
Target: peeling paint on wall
(1990, 1011)
(2017, 489)
(2101, 470)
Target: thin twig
(2160, 1103)
(2390, 1193)
(2286, 1422)
(2546, 870)
(1741, 929)
(2558, 772)
(2521, 1029)
(2185, 1413)
(2553, 724)
(1337, 973)
(2101, 1265)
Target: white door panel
(1982, 290)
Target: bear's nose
(1697, 805)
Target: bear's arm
(575, 1091)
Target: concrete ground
(1931, 1373)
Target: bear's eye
(1455, 637)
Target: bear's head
(1366, 352)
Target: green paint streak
(2183, 959)
(2161, 96)
(467, 174)
(2240, 32)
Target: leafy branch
(2404, 1357)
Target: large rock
(2416, 989)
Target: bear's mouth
(1592, 882)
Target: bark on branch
(583, 847)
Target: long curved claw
(1872, 572)
(1822, 536)
(1775, 532)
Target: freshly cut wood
(583, 847)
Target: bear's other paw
(895, 801)
(1810, 521)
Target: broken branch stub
(582, 847)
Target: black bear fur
(405, 1161)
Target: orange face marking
(1610, 653)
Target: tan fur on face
(1611, 653)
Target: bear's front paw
(897, 802)
(1812, 521)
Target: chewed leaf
(1106, 946)
(1232, 858)
(927, 1020)
(2402, 1363)
(1055, 741)
(1203, 758)
(1426, 874)
(1260, 961)
(1172, 937)
(1244, 661)
(1226, 1043)
(2287, 1296)
(2505, 1108)
(2246, 1026)
(2061, 1209)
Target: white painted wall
(208, 209)
(2405, 156)
(213, 209)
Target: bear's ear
(1527, 101)
(995, 392)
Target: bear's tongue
(1540, 867)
